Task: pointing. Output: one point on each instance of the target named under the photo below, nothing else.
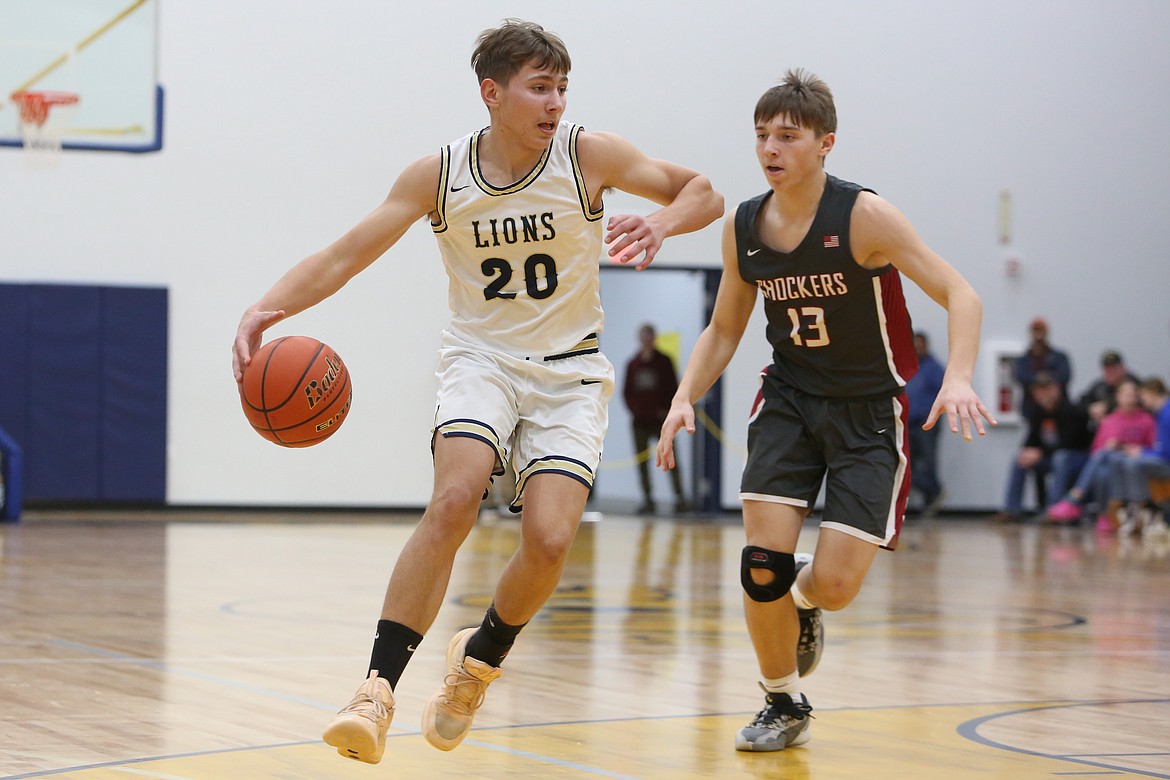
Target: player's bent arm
(325, 272)
(880, 233)
(718, 342)
(688, 200)
(713, 349)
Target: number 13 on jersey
(808, 326)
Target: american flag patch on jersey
(832, 241)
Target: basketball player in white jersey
(826, 256)
(517, 210)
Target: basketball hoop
(41, 129)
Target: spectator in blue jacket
(920, 394)
(1131, 480)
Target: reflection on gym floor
(205, 645)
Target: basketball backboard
(104, 51)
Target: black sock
(394, 644)
(493, 640)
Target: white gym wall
(287, 121)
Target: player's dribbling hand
(631, 235)
(252, 326)
(965, 412)
(682, 415)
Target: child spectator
(1130, 485)
(1129, 425)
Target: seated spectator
(1057, 442)
(1129, 425)
(1040, 357)
(1101, 397)
(1130, 484)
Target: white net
(44, 117)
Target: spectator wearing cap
(1041, 357)
(1101, 397)
(1056, 444)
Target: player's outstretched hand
(252, 326)
(965, 412)
(681, 415)
(631, 235)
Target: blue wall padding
(14, 399)
(12, 475)
(134, 418)
(64, 414)
(88, 404)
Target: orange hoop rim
(35, 104)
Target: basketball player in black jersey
(827, 257)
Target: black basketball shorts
(795, 440)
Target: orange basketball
(296, 392)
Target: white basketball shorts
(542, 414)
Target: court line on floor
(970, 730)
(971, 724)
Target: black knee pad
(783, 565)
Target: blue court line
(129, 761)
(966, 729)
(970, 731)
(972, 724)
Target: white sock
(789, 685)
(799, 599)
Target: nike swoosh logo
(883, 430)
(590, 381)
(751, 252)
(411, 648)
(456, 189)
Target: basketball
(296, 392)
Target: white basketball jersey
(522, 259)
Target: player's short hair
(1154, 385)
(803, 98)
(500, 52)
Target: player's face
(789, 153)
(531, 105)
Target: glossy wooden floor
(219, 646)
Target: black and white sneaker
(782, 723)
(812, 631)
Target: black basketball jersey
(836, 329)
